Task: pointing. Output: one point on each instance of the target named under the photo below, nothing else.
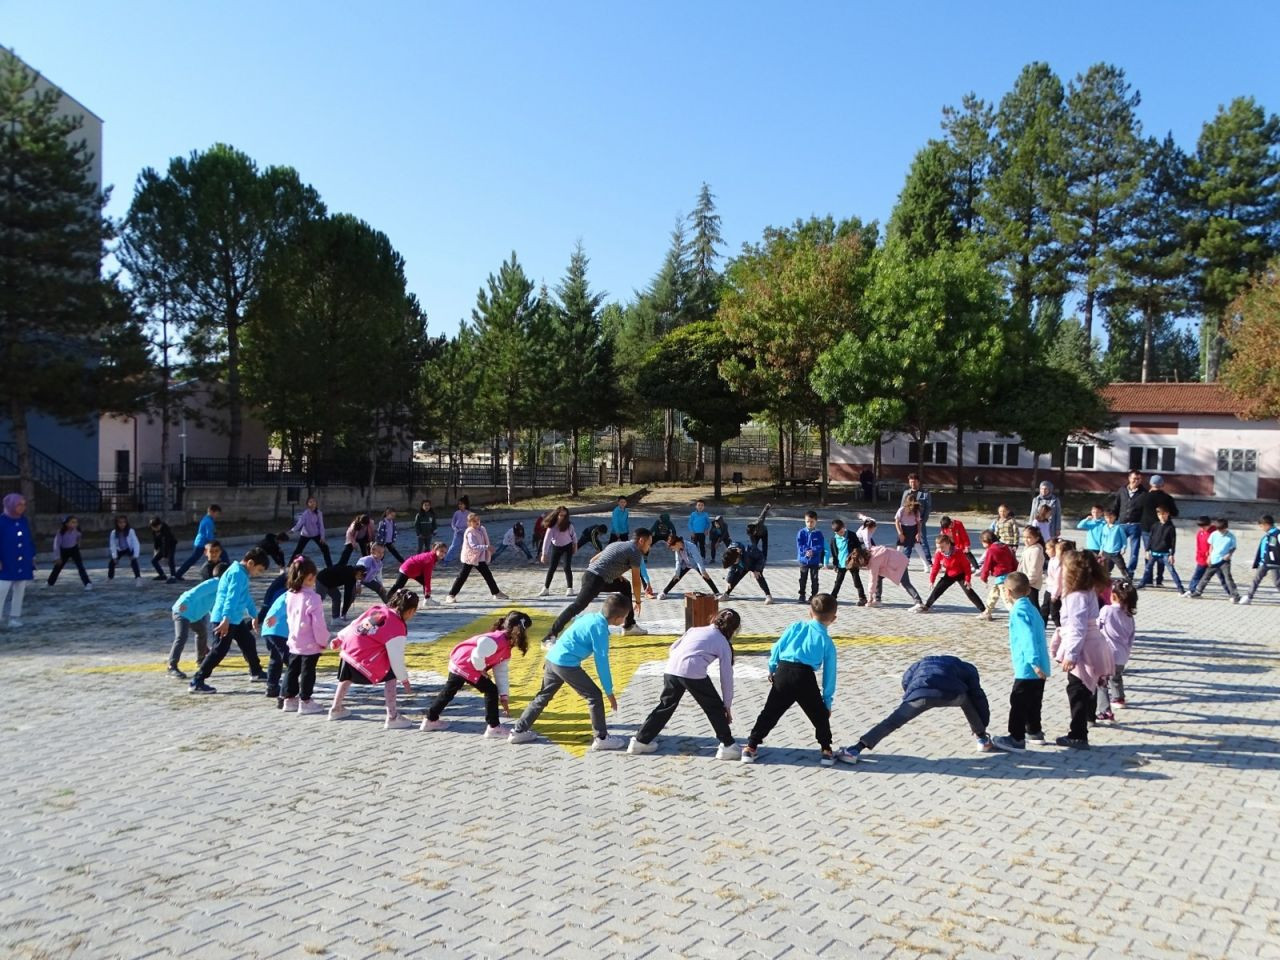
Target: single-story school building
(1186, 432)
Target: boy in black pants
(803, 649)
(164, 546)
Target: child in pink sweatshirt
(308, 636)
(470, 663)
(1078, 645)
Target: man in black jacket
(1154, 499)
(1128, 504)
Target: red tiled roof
(1156, 398)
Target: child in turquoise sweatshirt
(802, 650)
(1029, 651)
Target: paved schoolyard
(142, 821)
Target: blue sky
(467, 130)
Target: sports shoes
(522, 736)
(608, 743)
(873, 603)
(258, 677)
(919, 608)
(1118, 703)
(662, 595)
(768, 599)
(544, 592)
(432, 726)
(1072, 743)
(339, 713)
(279, 703)
(137, 581)
(570, 592)
(849, 754)
(828, 758)
(1036, 736)
(89, 586)
(430, 602)
(449, 599)
(983, 744)
(748, 754)
(290, 704)
(199, 686)
(1244, 601)
(730, 751)
(397, 723)
(1008, 744)
(721, 597)
(176, 673)
(309, 708)
(635, 630)
(1106, 715)
(635, 747)
(15, 622)
(496, 733)
(500, 596)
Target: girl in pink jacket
(1078, 645)
(420, 567)
(308, 635)
(883, 562)
(372, 651)
(475, 553)
(470, 663)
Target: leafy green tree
(968, 131)
(1048, 406)
(582, 391)
(71, 342)
(504, 315)
(925, 217)
(687, 362)
(199, 237)
(788, 299)
(1250, 371)
(934, 333)
(1025, 190)
(1153, 264)
(1102, 169)
(1235, 199)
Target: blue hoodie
(587, 636)
(205, 532)
(198, 600)
(1027, 645)
(233, 602)
(279, 612)
(808, 539)
(808, 642)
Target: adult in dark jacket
(1128, 504)
(1154, 499)
(938, 681)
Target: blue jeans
(1138, 541)
(455, 549)
(1157, 563)
(196, 554)
(278, 648)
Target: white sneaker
(721, 597)
(768, 599)
(496, 733)
(137, 581)
(522, 736)
(15, 622)
(500, 596)
(1245, 601)
(309, 708)
(635, 630)
(398, 723)
(570, 592)
(430, 603)
(88, 587)
(544, 592)
(918, 608)
(431, 726)
(662, 595)
(290, 705)
(635, 747)
(341, 713)
(731, 752)
(450, 599)
(608, 743)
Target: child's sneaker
(430, 602)
(748, 754)
(339, 713)
(662, 595)
(1106, 716)
(89, 586)
(1244, 601)
(608, 743)
(1072, 743)
(279, 703)
(849, 754)
(730, 751)
(1036, 737)
(828, 758)
(432, 726)
(544, 592)
(450, 599)
(635, 747)
(290, 704)
(308, 708)
(919, 608)
(137, 581)
(1118, 703)
(768, 598)
(397, 723)
(721, 597)
(522, 736)
(500, 596)
(570, 592)
(983, 744)
(199, 686)
(177, 674)
(1008, 744)
(635, 630)
(496, 733)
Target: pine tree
(969, 130)
(1235, 198)
(663, 307)
(1101, 171)
(702, 253)
(925, 218)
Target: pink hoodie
(887, 562)
(1080, 641)
(475, 545)
(374, 644)
(486, 651)
(308, 633)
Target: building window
(1163, 459)
(933, 452)
(1079, 456)
(998, 454)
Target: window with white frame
(1146, 459)
(934, 452)
(1080, 456)
(998, 454)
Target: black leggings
(350, 549)
(133, 565)
(340, 598)
(242, 635)
(944, 582)
(843, 572)
(158, 555)
(391, 549)
(793, 683)
(72, 554)
(592, 586)
(566, 552)
(738, 574)
(302, 675)
(466, 572)
(453, 683)
(302, 545)
(703, 691)
(680, 576)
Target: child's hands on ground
(613, 703)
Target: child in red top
(1205, 530)
(959, 536)
(998, 561)
(420, 567)
(955, 568)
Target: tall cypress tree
(1235, 197)
(925, 218)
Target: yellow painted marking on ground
(565, 722)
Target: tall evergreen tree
(71, 343)
(1101, 171)
(702, 254)
(1025, 190)
(925, 218)
(503, 316)
(968, 132)
(1235, 197)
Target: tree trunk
(573, 465)
(1035, 470)
(1212, 350)
(668, 444)
(822, 459)
(782, 458)
(791, 451)
(511, 464)
(617, 455)
(1089, 297)
(920, 454)
(1062, 470)
(22, 440)
(235, 426)
(959, 459)
(877, 461)
(1148, 335)
(718, 448)
(700, 463)
(373, 478)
